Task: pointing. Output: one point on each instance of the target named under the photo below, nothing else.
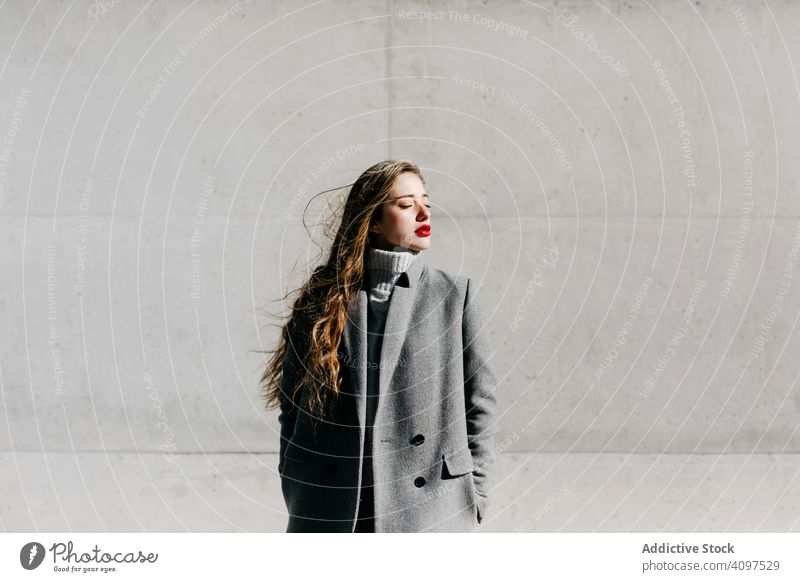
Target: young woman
(386, 393)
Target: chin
(416, 244)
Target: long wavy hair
(319, 313)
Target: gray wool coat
(434, 427)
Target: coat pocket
(457, 463)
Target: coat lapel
(398, 321)
(399, 318)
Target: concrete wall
(628, 202)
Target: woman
(386, 393)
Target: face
(406, 210)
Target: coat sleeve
(292, 369)
(480, 393)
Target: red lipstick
(424, 230)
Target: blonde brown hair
(319, 313)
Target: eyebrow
(410, 196)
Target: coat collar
(399, 318)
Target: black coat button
(417, 440)
(419, 481)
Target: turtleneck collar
(383, 269)
(392, 261)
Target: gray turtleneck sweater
(382, 269)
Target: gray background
(647, 382)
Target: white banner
(334, 557)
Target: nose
(424, 213)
